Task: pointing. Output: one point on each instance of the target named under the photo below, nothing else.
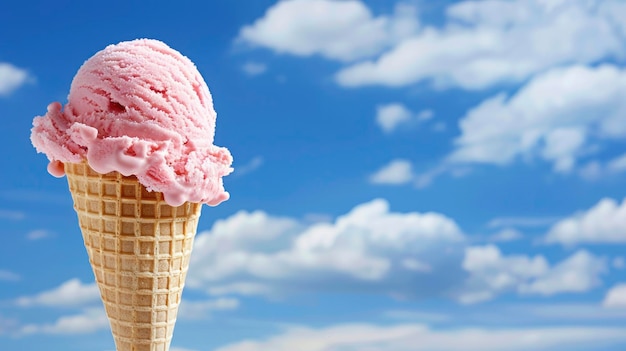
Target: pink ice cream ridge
(139, 108)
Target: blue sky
(409, 175)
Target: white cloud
(339, 30)
(619, 262)
(492, 273)
(390, 116)
(202, 309)
(8, 276)
(369, 247)
(507, 234)
(88, 321)
(71, 293)
(11, 78)
(418, 337)
(554, 117)
(399, 254)
(488, 42)
(75, 294)
(561, 146)
(578, 273)
(395, 173)
(254, 68)
(595, 169)
(616, 296)
(251, 166)
(603, 223)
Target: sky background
(409, 175)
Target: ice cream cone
(139, 248)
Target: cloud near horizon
(419, 337)
(373, 248)
(369, 247)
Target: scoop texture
(139, 108)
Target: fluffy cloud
(616, 297)
(88, 321)
(395, 173)
(391, 116)
(373, 248)
(559, 116)
(71, 293)
(532, 125)
(417, 337)
(488, 42)
(492, 273)
(603, 223)
(11, 78)
(578, 273)
(553, 117)
(340, 30)
(369, 247)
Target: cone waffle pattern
(139, 249)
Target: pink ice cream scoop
(139, 108)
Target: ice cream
(136, 143)
(139, 108)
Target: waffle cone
(139, 248)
